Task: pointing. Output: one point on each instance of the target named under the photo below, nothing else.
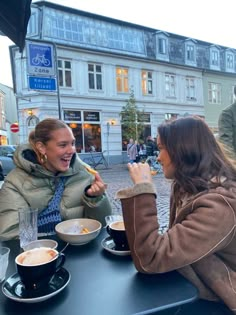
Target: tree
(132, 120)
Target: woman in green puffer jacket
(50, 159)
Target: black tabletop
(103, 283)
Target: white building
(8, 115)
(99, 60)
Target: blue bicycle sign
(41, 60)
(40, 57)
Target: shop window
(86, 128)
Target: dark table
(102, 283)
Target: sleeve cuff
(138, 189)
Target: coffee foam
(118, 225)
(36, 256)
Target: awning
(14, 18)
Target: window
(170, 85)
(64, 73)
(170, 116)
(86, 127)
(162, 44)
(89, 32)
(214, 93)
(229, 61)
(95, 76)
(32, 25)
(215, 57)
(190, 52)
(122, 80)
(190, 88)
(146, 82)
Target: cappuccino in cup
(37, 266)
(117, 232)
(36, 256)
(117, 225)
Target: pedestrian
(137, 160)
(201, 240)
(227, 128)
(150, 146)
(43, 166)
(131, 151)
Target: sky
(207, 20)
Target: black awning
(14, 18)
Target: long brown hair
(196, 155)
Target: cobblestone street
(117, 177)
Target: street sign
(40, 59)
(14, 127)
(42, 84)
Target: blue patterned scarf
(50, 216)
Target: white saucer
(14, 289)
(109, 245)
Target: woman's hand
(97, 188)
(140, 173)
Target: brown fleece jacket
(200, 242)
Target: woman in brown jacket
(201, 241)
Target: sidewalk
(117, 177)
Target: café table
(102, 283)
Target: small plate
(109, 245)
(14, 289)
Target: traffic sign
(40, 59)
(42, 84)
(14, 127)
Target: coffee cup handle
(108, 229)
(60, 261)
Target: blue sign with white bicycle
(40, 58)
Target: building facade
(99, 61)
(8, 115)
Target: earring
(43, 158)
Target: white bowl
(70, 230)
(41, 243)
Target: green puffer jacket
(31, 185)
(227, 129)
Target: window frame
(64, 71)
(171, 83)
(190, 83)
(95, 75)
(214, 93)
(147, 82)
(122, 79)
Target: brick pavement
(117, 177)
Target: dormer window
(190, 52)
(162, 52)
(162, 45)
(229, 61)
(214, 58)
